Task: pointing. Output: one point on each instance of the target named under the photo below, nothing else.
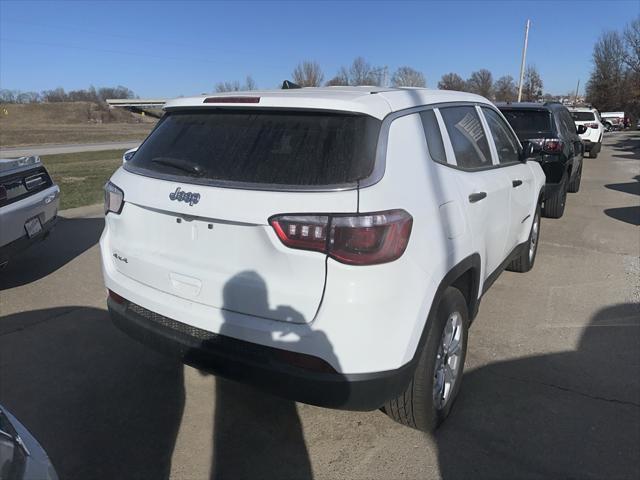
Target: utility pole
(524, 57)
(575, 99)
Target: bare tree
(341, 79)
(235, 86)
(452, 81)
(56, 95)
(605, 88)
(632, 45)
(505, 90)
(114, 92)
(249, 83)
(408, 77)
(481, 83)
(532, 84)
(308, 74)
(359, 73)
(27, 97)
(362, 73)
(8, 96)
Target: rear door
(200, 191)
(485, 190)
(517, 174)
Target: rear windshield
(528, 121)
(261, 147)
(582, 116)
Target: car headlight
(113, 199)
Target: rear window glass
(528, 121)
(261, 147)
(583, 116)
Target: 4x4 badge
(187, 197)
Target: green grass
(81, 176)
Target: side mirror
(128, 155)
(529, 150)
(581, 129)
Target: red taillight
(549, 145)
(116, 298)
(592, 125)
(362, 239)
(232, 100)
(553, 145)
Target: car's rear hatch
(200, 190)
(530, 123)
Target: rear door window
(260, 148)
(468, 138)
(506, 143)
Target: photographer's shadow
(572, 414)
(257, 435)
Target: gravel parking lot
(551, 389)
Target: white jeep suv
(592, 137)
(330, 245)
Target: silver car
(28, 204)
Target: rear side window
(433, 136)
(583, 116)
(467, 136)
(528, 121)
(506, 143)
(261, 147)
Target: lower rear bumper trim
(257, 365)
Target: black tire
(554, 205)
(527, 257)
(593, 153)
(416, 407)
(574, 185)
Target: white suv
(592, 138)
(330, 245)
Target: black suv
(551, 130)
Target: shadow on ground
(102, 405)
(70, 238)
(626, 214)
(625, 146)
(573, 414)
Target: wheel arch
(465, 276)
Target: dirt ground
(70, 122)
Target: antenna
(288, 84)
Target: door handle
(516, 183)
(476, 197)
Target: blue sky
(171, 48)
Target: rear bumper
(284, 373)
(555, 171)
(43, 204)
(11, 249)
(592, 146)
